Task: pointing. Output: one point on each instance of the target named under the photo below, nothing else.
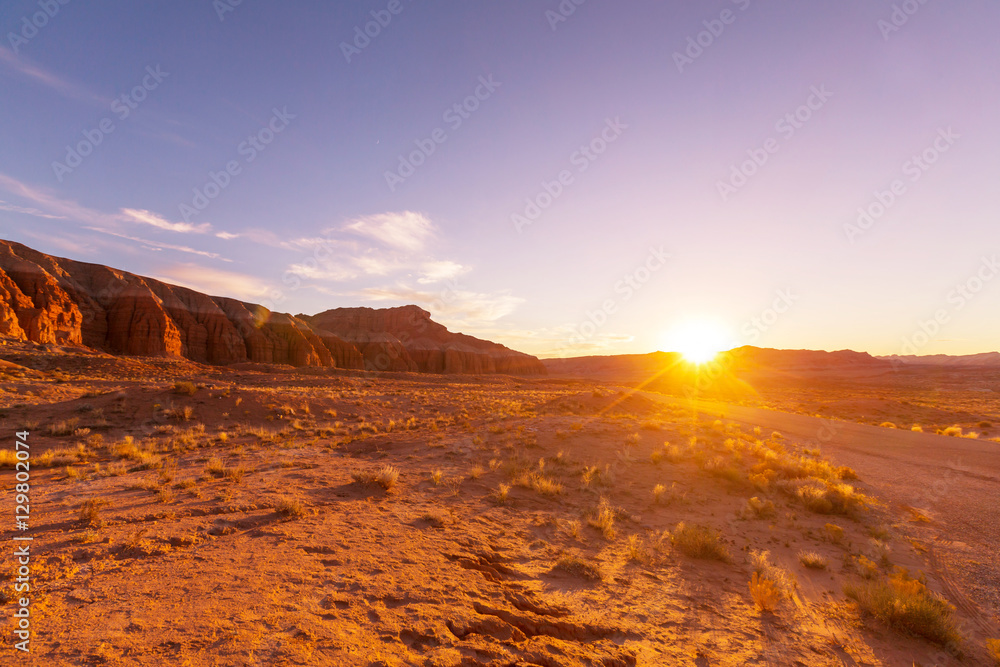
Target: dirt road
(953, 481)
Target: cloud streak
(51, 81)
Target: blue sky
(683, 191)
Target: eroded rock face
(47, 299)
(406, 338)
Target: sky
(564, 177)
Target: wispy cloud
(437, 271)
(214, 281)
(156, 245)
(4, 206)
(51, 81)
(149, 218)
(406, 230)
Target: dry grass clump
(387, 476)
(758, 509)
(289, 507)
(185, 388)
(579, 567)
(539, 483)
(90, 512)
(834, 533)
(437, 477)
(66, 427)
(993, 648)
(699, 542)
(760, 562)
(501, 494)
(764, 592)
(906, 604)
(826, 497)
(602, 518)
(215, 466)
(8, 458)
(812, 560)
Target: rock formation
(47, 299)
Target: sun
(697, 341)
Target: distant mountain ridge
(966, 360)
(46, 299)
(637, 366)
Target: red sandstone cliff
(47, 299)
(406, 338)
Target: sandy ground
(242, 520)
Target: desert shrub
(867, 568)
(758, 509)
(185, 388)
(993, 648)
(917, 428)
(66, 427)
(289, 507)
(658, 492)
(827, 497)
(812, 560)
(387, 476)
(602, 518)
(539, 483)
(764, 592)
(215, 466)
(501, 494)
(577, 566)
(955, 431)
(90, 512)
(887, 425)
(907, 605)
(760, 563)
(699, 542)
(436, 477)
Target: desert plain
(262, 514)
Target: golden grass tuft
(387, 477)
(764, 593)
(993, 648)
(577, 566)
(289, 507)
(906, 604)
(812, 560)
(185, 388)
(758, 509)
(603, 519)
(90, 512)
(501, 494)
(699, 542)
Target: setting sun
(699, 342)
